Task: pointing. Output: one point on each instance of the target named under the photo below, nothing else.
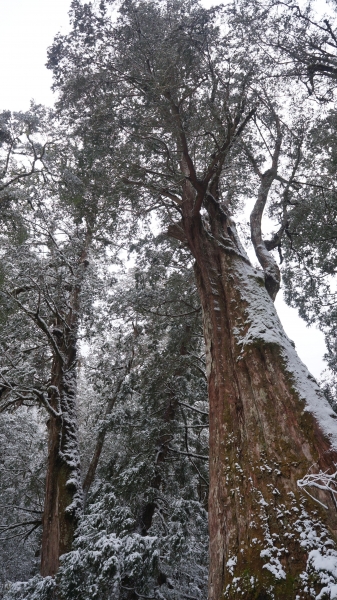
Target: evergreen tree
(171, 109)
(183, 93)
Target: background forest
(104, 412)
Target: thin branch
(201, 412)
(20, 508)
(199, 456)
(4, 528)
(157, 314)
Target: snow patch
(275, 568)
(231, 564)
(325, 565)
(264, 325)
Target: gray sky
(27, 28)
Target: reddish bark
(64, 495)
(262, 441)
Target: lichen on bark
(269, 424)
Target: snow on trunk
(270, 426)
(63, 499)
(64, 492)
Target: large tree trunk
(269, 425)
(64, 493)
(63, 498)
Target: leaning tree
(202, 122)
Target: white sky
(27, 28)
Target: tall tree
(185, 86)
(144, 527)
(45, 287)
(310, 267)
(40, 368)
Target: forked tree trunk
(269, 425)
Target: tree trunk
(63, 498)
(163, 442)
(91, 472)
(64, 494)
(269, 425)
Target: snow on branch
(323, 481)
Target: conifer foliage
(160, 438)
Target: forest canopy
(160, 437)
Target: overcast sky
(27, 28)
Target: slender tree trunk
(162, 446)
(91, 472)
(266, 432)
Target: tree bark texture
(63, 498)
(64, 494)
(266, 432)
